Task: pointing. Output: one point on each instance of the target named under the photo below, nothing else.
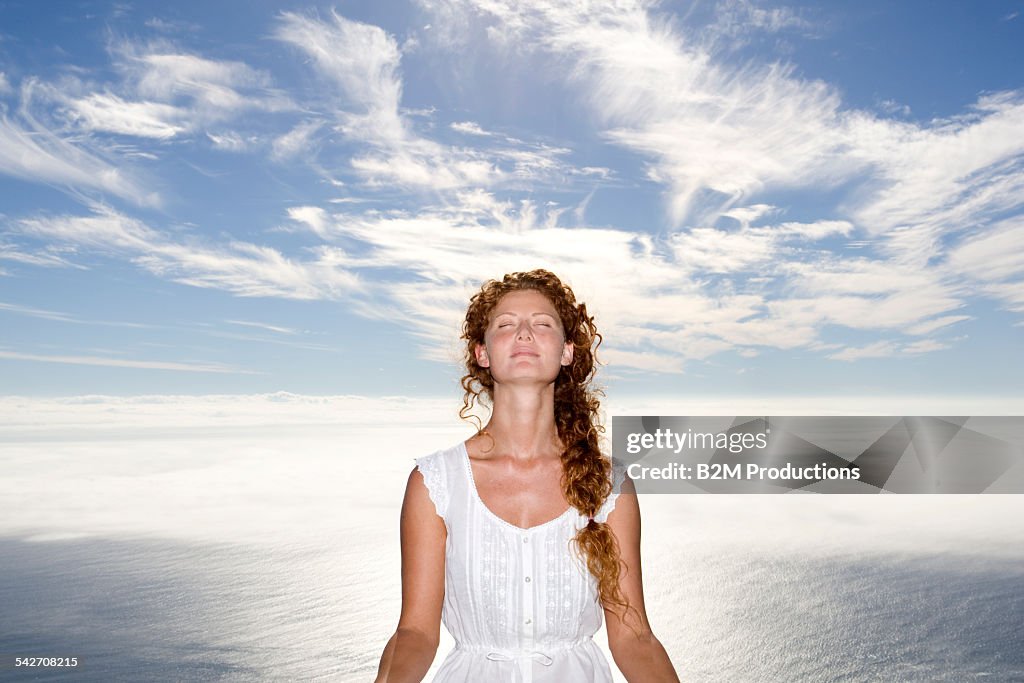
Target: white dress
(520, 603)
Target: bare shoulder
(420, 501)
(625, 516)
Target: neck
(522, 422)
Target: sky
(752, 198)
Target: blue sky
(754, 198)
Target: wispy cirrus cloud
(887, 349)
(49, 257)
(995, 260)
(715, 135)
(718, 133)
(162, 94)
(904, 228)
(111, 114)
(60, 316)
(263, 326)
(296, 141)
(735, 20)
(469, 128)
(165, 92)
(125, 363)
(664, 296)
(33, 151)
(363, 64)
(242, 268)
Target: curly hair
(586, 474)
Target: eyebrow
(517, 315)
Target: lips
(521, 351)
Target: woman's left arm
(634, 647)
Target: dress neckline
(489, 512)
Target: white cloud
(264, 326)
(831, 274)
(924, 346)
(650, 362)
(105, 229)
(936, 181)
(5, 85)
(470, 128)
(32, 151)
(163, 74)
(716, 251)
(929, 326)
(230, 141)
(717, 133)
(879, 349)
(313, 217)
(109, 113)
(296, 141)
(46, 258)
(885, 349)
(996, 254)
(241, 268)
(417, 170)
(64, 317)
(124, 363)
(894, 107)
(37, 312)
(164, 93)
(735, 20)
(1011, 293)
(745, 215)
(812, 231)
(361, 62)
(596, 171)
(655, 292)
(719, 136)
(995, 258)
(705, 126)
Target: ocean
(231, 541)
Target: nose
(524, 331)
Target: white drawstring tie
(513, 656)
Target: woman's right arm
(410, 652)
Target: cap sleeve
(432, 467)
(618, 476)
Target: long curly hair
(586, 474)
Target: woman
(518, 537)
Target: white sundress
(519, 603)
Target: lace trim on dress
(618, 476)
(433, 476)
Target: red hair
(586, 473)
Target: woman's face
(524, 341)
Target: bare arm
(411, 650)
(634, 647)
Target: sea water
(156, 542)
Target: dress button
(526, 539)
(527, 579)
(529, 621)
